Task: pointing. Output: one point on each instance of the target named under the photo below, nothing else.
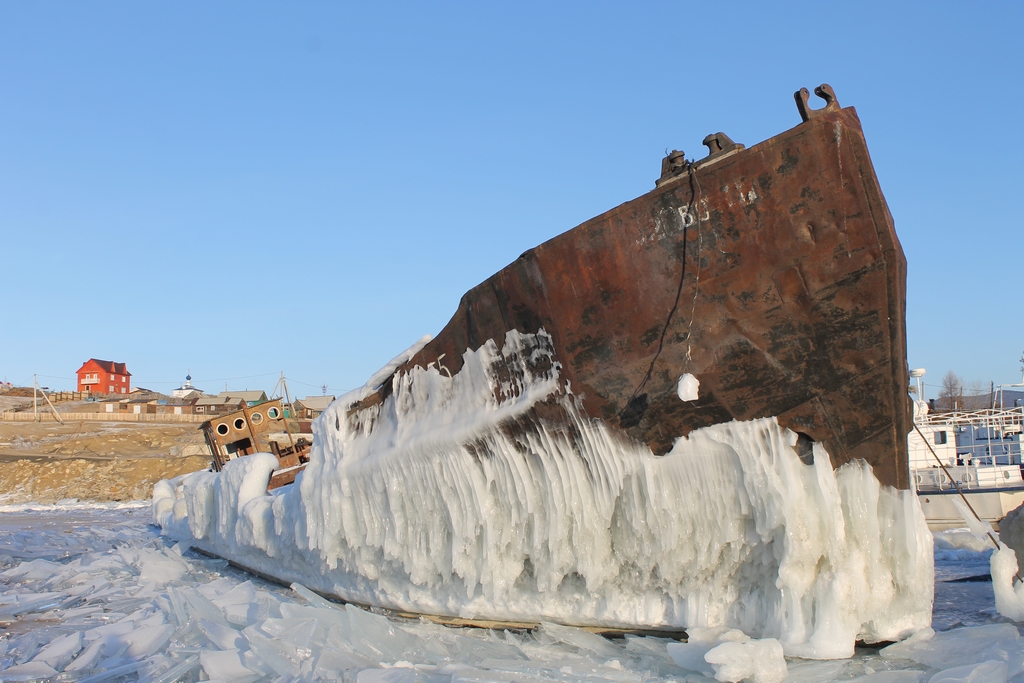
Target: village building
(186, 390)
(217, 405)
(104, 377)
(251, 398)
(311, 406)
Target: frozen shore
(93, 592)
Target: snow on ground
(94, 592)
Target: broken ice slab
(375, 635)
(226, 665)
(30, 671)
(584, 640)
(325, 618)
(144, 641)
(990, 671)
(333, 664)
(962, 647)
(282, 657)
(175, 672)
(224, 637)
(29, 602)
(296, 632)
(312, 598)
(476, 650)
(60, 651)
(400, 675)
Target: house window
(111, 388)
(940, 438)
(111, 378)
(123, 390)
(123, 380)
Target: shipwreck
(771, 274)
(689, 411)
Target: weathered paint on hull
(773, 274)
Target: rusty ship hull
(508, 470)
(772, 274)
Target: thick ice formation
(429, 503)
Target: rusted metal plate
(773, 274)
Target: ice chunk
(962, 646)
(226, 665)
(476, 650)
(177, 671)
(1009, 597)
(687, 387)
(243, 593)
(88, 657)
(312, 598)
(883, 677)
(145, 641)
(28, 671)
(584, 640)
(760, 661)
(691, 654)
(222, 636)
(61, 651)
(160, 569)
(961, 539)
(401, 675)
(982, 530)
(990, 671)
(1011, 532)
(373, 633)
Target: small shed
(312, 406)
(218, 405)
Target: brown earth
(47, 462)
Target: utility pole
(35, 403)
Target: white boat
(976, 454)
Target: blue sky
(238, 189)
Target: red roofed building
(104, 377)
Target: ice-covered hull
(483, 475)
(772, 274)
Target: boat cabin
(258, 429)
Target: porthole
(222, 429)
(256, 418)
(273, 413)
(239, 423)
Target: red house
(104, 377)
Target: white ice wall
(425, 504)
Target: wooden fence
(47, 416)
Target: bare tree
(952, 393)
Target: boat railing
(968, 477)
(987, 453)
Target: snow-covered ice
(429, 503)
(75, 607)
